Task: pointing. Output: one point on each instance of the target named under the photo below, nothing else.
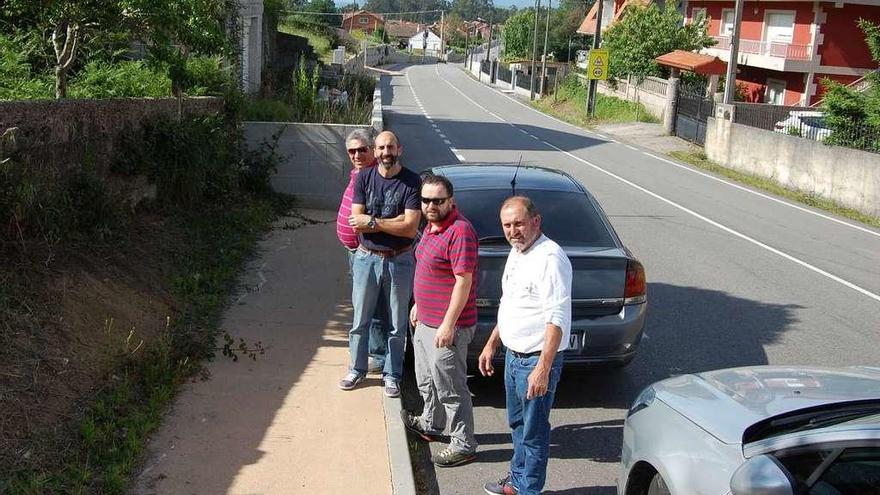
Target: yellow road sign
(597, 67)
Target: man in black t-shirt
(385, 211)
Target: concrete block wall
(314, 163)
(654, 104)
(847, 176)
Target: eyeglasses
(362, 149)
(436, 201)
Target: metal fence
(808, 123)
(504, 73)
(523, 80)
(485, 67)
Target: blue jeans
(374, 276)
(529, 422)
(378, 327)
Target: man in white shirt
(534, 322)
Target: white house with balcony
(426, 39)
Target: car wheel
(658, 486)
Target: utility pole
(442, 39)
(489, 45)
(546, 36)
(730, 77)
(597, 40)
(467, 44)
(534, 52)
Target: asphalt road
(735, 277)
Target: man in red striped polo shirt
(445, 317)
(360, 151)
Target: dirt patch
(70, 324)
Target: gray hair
(361, 135)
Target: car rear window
(568, 218)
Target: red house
(786, 47)
(364, 20)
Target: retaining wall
(847, 176)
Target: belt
(390, 253)
(523, 355)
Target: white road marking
(441, 134)
(457, 154)
(765, 196)
(447, 141)
(631, 147)
(693, 213)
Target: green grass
(699, 160)
(320, 43)
(569, 104)
(110, 439)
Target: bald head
(521, 202)
(387, 149)
(388, 135)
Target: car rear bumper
(611, 339)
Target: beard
(436, 216)
(388, 161)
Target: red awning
(694, 62)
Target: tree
(644, 33)
(853, 116)
(517, 34)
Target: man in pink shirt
(360, 152)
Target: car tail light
(636, 289)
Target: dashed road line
(447, 142)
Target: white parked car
(759, 430)
(808, 124)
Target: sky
(519, 3)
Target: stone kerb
(314, 164)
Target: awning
(694, 62)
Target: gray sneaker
(449, 457)
(350, 381)
(392, 389)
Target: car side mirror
(761, 475)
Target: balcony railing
(770, 48)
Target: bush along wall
(212, 202)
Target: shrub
(17, 81)
(205, 76)
(100, 79)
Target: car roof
(498, 176)
(726, 402)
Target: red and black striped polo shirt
(449, 250)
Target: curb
(402, 479)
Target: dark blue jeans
(379, 326)
(529, 422)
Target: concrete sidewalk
(280, 424)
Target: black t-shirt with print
(386, 198)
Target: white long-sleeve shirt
(536, 290)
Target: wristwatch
(372, 223)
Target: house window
(363, 20)
(697, 14)
(779, 26)
(775, 94)
(727, 18)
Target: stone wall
(314, 164)
(847, 176)
(53, 136)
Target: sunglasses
(436, 201)
(362, 149)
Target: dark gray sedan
(609, 300)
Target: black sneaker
(451, 458)
(350, 381)
(412, 424)
(501, 487)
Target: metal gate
(692, 111)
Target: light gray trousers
(441, 375)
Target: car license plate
(576, 341)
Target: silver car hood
(726, 402)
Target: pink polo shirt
(346, 234)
